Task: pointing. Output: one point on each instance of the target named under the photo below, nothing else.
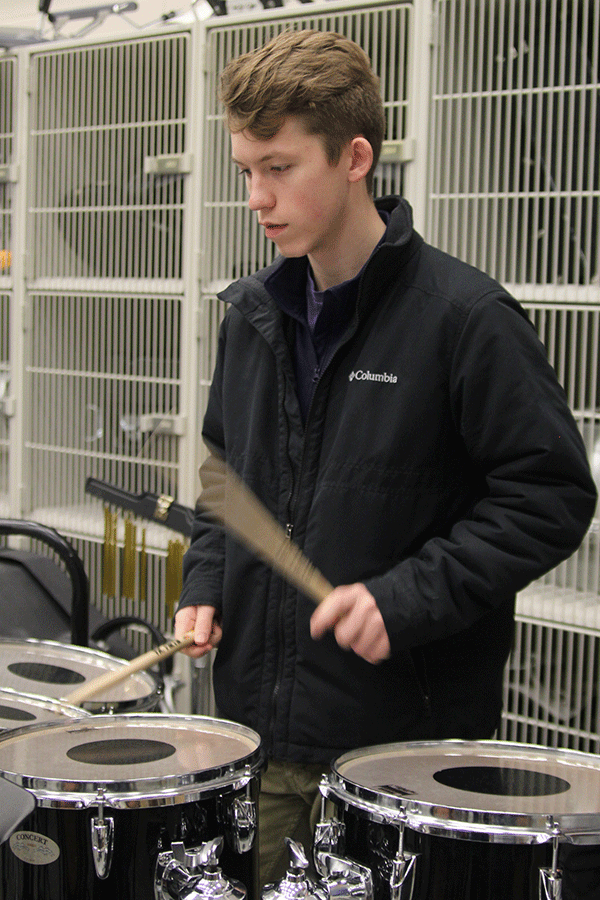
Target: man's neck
(360, 235)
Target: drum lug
(194, 874)
(327, 841)
(550, 884)
(239, 819)
(329, 833)
(243, 831)
(402, 869)
(551, 879)
(403, 866)
(103, 837)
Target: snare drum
(18, 709)
(459, 820)
(55, 670)
(114, 792)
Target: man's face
(299, 197)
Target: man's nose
(260, 197)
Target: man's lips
(272, 229)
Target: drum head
(460, 788)
(55, 670)
(134, 759)
(17, 710)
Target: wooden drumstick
(231, 502)
(109, 679)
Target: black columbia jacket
(439, 465)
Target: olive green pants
(289, 806)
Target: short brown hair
(323, 78)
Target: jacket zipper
(280, 653)
(289, 528)
(280, 627)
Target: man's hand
(207, 630)
(350, 611)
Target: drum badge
(36, 849)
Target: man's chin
(290, 254)
(289, 250)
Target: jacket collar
(251, 297)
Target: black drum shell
(446, 868)
(159, 778)
(480, 817)
(140, 834)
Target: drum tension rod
(551, 879)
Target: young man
(394, 409)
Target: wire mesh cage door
(109, 149)
(515, 174)
(515, 190)
(8, 77)
(551, 686)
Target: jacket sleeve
(204, 561)
(513, 418)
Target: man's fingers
(203, 628)
(351, 612)
(201, 620)
(328, 613)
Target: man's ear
(361, 158)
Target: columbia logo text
(361, 375)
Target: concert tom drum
(125, 801)
(18, 709)
(459, 820)
(52, 669)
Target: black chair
(37, 598)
